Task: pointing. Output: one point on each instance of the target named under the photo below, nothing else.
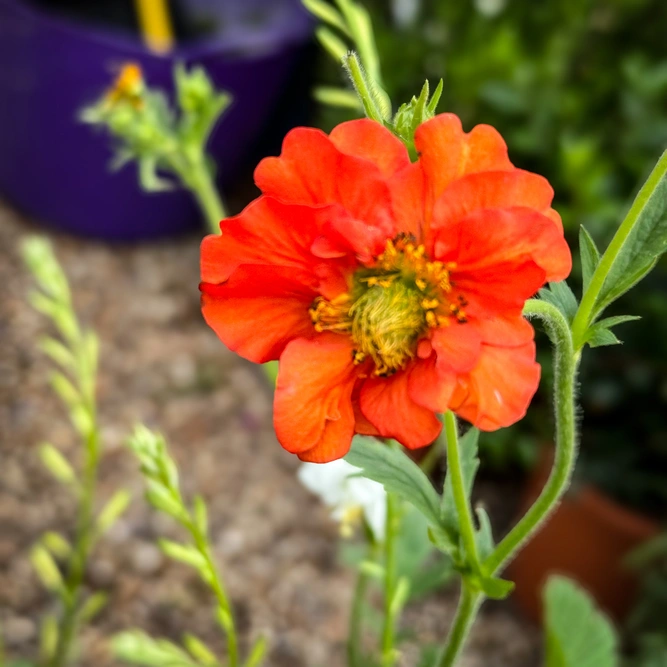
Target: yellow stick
(155, 24)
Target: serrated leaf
(646, 240)
(602, 337)
(578, 634)
(560, 295)
(397, 473)
(468, 445)
(590, 255)
(600, 333)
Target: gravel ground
(162, 366)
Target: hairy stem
(469, 603)
(458, 487)
(390, 580)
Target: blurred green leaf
(577, 634)
(590, 256)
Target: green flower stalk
(163, 141)
(60, 565)
(163, 493)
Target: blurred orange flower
(389, 290)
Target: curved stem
(469, 603)
(458, 487)
(565, 367)
(587, 306)
(390, 581)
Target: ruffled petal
(493, 190)
(501, 237)
(313, 414)
(497, 392)
(369, 140)
(408, 199)
(387, 404)
(457, 346)
(504, 330)
(447, 153)
(259, 310)
(273, 233)
(312, 171)
(430, 387)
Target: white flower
(349, 495)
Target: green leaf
(48, 637)
(138, 648)
(56, 464)
(433, 104)
(183, 554)
(398, 473)
(57, 545)
(484, 535)
(57, 352)
(325, 12)
(600, 333)
(577, 634)
(495, 588)
(469, 465)
(645, 242)
(335, 46)
(199, 651)
(337, 97)
(258, 652)
(590, 255)
(113, 510)
(93, 606)
(560, 295)
(46, 568)
(201, 514)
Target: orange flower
(389, 290)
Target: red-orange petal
(313, 414)
(490, 238)
(497, 392)
(312, 171)
(369, 140)
(430, 387)
(259, 310)
(388, 405)
(458, 347)
(447, 153)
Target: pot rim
(212, 45)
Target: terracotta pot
(587, 539)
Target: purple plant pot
(56, 169)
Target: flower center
(392, 305)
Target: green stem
(82, 545)
(390, 580)
(355, 655)
(458, 487)
(469, 603)
(565, 370)
(198, 179)
(218, 589)
(362, 86)
(586, 311)
(565, 366)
